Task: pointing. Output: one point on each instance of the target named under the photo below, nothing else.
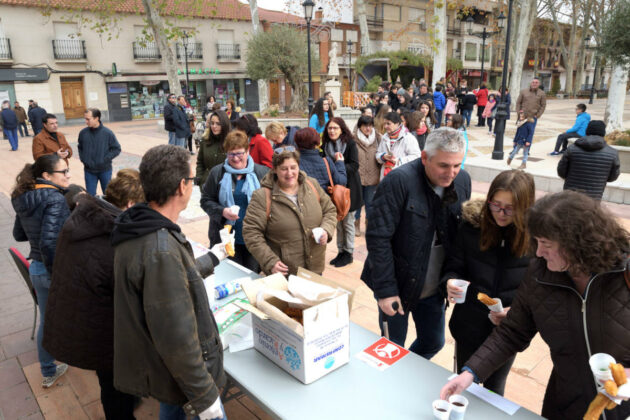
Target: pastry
(486, 300)
(618, 373)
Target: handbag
(339, 194)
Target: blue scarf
(226, 197)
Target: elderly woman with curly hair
(576, 294)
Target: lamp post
(588, 41)
(186, 36)
(502, 111)
(349, 45)
(308, 15)
(484, 35)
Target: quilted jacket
(573, 326)
(80, 309)
(405, 214)
(496, 272)
(588, 165)
(39, 216)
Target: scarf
(226, 194)
(396, 135)
(366, 140)
(335, 146)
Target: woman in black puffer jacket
(40, 212)
(490, 253)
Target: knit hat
(596, 128)
(401, 92)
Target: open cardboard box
(311, 350)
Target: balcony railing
(146, 51)
(5, 49)
(375, 22)
(193, 50)
(228, 52)
(454, 31)
(69, 49)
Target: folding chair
(22, 264)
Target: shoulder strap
(268, 201)
(332, 184)
(310, 184)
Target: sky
(334, 10)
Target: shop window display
(147, 99)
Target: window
(487, 53)
(416, 15)
(336, 34)
(470, 52)
(391, 12)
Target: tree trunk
(263, 99)
(567, 53)
(580, 64)
(616, 98)
(363, 27)
(516, 11)
(439, 41)
(297, 92)
(528, 14)
(169, 61)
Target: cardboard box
(324, 347)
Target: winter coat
(488, 111)
(35, 116)
(312, 163)
(353, 179)
(20, 113)
(574, 328)
(525, 133)
(97, 148)
(260, 150)
(369, 168)
(469, 101)
(210, 198)
(581, 122)
(169, 110)
(451, 107)
(439, 100)
(404, 216)
(210, 154)
(588, 165)
(496, 272)
(45, 144)
(166, 341)
(9, 119)
(482, 97)
(405, 150)
(287, 234)
(180, 123)
(80, 309)
(39, 216)
(533, 102)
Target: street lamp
(588, 41)
(484, 35)
(349, 45)
(308, 15)
(186, 36)
(502, 107)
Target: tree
(439, 40)
(282, 49)
(263, 100)
(568, 51)
(587, 7)
(521, 41)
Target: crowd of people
(120, 292)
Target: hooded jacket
(166, 341)
(581, 122)
(80, 309)
(588, 165)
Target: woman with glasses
(41, 210)
(280, 228)
(231, 184)
(490, 253)
(211, 152)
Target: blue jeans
(92, 180)
(175, 141)
(368, 195)
(466, 115)
(41, 282)
(175, 412)
(13, 137)
(428, 316)
(438, 118)
(516, 149)
(23, 125)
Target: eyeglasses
(496, 208)
(189, 178)
(64, 171)
(235, 155)
(331, 128)
(284, 149)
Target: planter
(624, 157)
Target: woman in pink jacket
(488, 112)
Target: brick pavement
(77, 395)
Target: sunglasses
(496, 208)
(64, 171)
(284, 149)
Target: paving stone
(17, 402)
(85, 385)
(94, 410)
(10, 374)
(61, 404)
(16, 322)
(18, 343)
(28, 358)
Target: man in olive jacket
(166, 341)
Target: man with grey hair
(413, 223)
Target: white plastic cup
(600, 365)
(441, 409)
(235, 209)
(463, 284)
(317, 234)
(459, 404)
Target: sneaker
(509, 160)
(345, 259)
(554, 153)
(334, 260)
(50, 380)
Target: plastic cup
(459, 404)
(317, 234)
(463, 284)
(600, 365)
(235, 209)
(441, 409)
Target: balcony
(146, 52)
(193, 50)
(374, 23)
(228, 52)
(454, 31)
(5, 50)
(69, 49)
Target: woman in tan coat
(368, 140)
(281, 216)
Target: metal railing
(193, 50)
(146, 51)
(454, 31)
(228, 52)
(5, 49)
(376, 22)
(69, 49)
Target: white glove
(213, 412)
(219, 251)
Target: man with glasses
(50, 141)
(416, 210)
(578, 130)
(166, 341)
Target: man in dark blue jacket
(98, 146)
(9, 124)
(413, 224)
(36, 116)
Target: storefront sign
(29, 75)
(199, 71)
